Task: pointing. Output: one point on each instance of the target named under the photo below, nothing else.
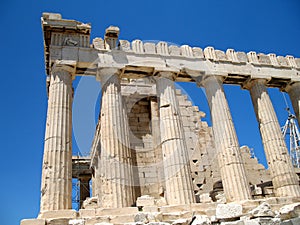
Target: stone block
(158, 223)
(150, 209)
(263, 210)
(210, 212)
(286, 200)
(61, 221)
(199, 208)
(295, 221)
(239, 222)
(242, 57)
(290, 211)
(201, 220)
(87, 213)
(149, 48)
(174, 50)
(271, 201)
(251, 222)
(286, 222)
(198, 53)
(76, 222)
(181, 222)
(205, 198)
(257, 190)
(268, 190)
(161, 202)
(33, 222)
(71, 214)
(141, 218)
(175, 208)
(97, 220)
(177, 215)
(229, 211)
(116, 211)
(267, 221)
(122, 219)
(103, 223)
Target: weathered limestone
(159, 148)
(227, 211)
(56, 188)
(114, 168)
(282, 172)
(179, 189)
(290, 211)
(231, 166)
(294, 92)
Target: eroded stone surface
(151, 148)
(263, 210)
(228, 211)
(290, 211)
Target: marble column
(294, 92)
(114, 169)
(178, 181)
(56, 187)
(234, 180)
(84, 188)
(283, 176)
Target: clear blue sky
(261, 25)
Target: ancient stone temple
(153, 158)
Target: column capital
(209, 78)
(65, 65)
(165, 74)
(104, 73)
(289, 86)
(248, 84)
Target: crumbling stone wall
(143, 119)
(147, 156)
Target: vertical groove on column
(284, 178)
(56, 175)
(232, 170)
(114, 165)
(178, 182)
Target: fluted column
(56, 187)
(294, 92)
(283, 176)
(235, 184)
(178, 182)
(115, 163)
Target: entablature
(137, 59)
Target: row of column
(114, 168)
(283, 176)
